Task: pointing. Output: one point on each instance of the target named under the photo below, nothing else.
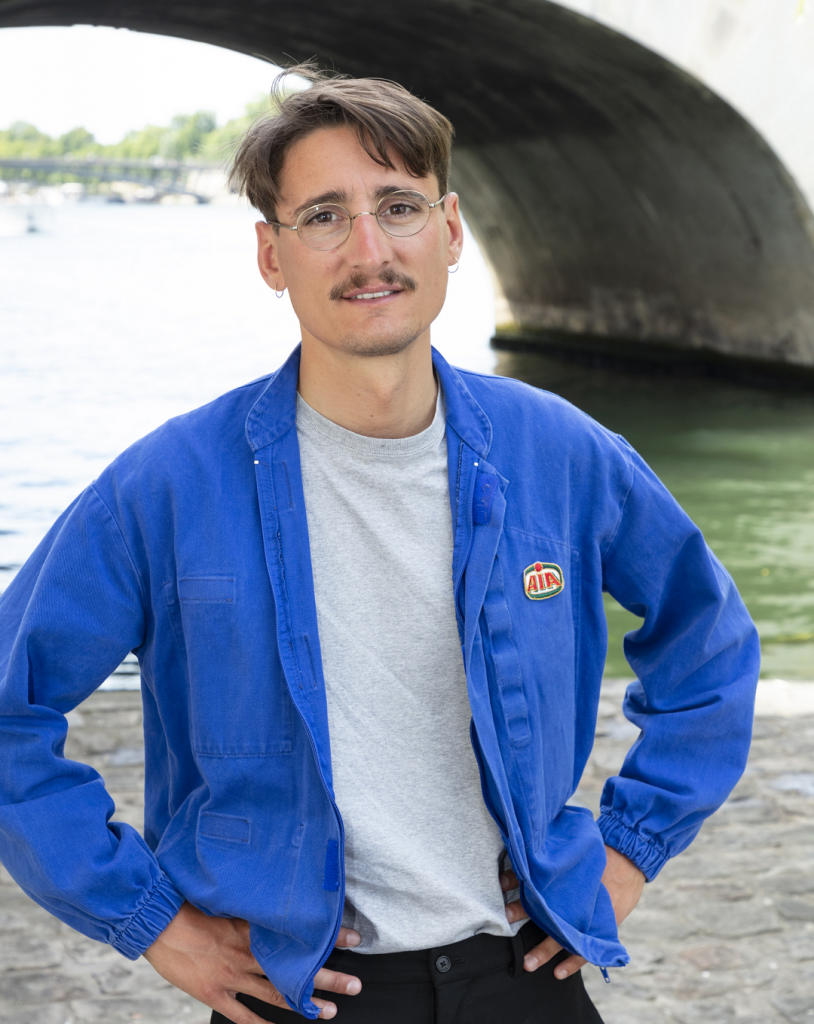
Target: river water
(119, 317)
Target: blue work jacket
(191, 550)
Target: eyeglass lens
(400, 214)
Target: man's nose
(368, 243)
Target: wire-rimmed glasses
(401, 214)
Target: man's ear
(268, 239)
(452, 214)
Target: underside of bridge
(619, 202)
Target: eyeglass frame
(362, 213)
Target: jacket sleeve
(66, 621)
(696, 658)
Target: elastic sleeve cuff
(161, 905)
(646, 854)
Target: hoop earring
(279, 294)
(457, 266)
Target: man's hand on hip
(624, 883)
(210, 958)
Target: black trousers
(478, 981)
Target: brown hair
(387, 118)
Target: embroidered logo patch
(542, 580)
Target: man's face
(331, 166)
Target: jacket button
(443, 964)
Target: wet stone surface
(725, 934)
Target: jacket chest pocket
(238, 698)
(529, 645)
(540, 584)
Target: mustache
(359, 280)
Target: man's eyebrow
(386, 190)
(340, 198)
(337, 196)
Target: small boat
(21, 217)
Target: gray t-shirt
(422, 851)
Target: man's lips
(380, 292)
(358, 288)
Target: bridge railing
(198, 179)
(80, 164)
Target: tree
(78, 141)
(188, 137)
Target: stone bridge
(625, 209)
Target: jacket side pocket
(224, 826)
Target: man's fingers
(541, 954)
(348, 937)
(333, 981)
(508, 881)
(515, 912)
(545, 951)
(234, 1011)
(261, 988)
(569, 967)
(238, 1013)
(326, 1010)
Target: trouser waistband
(455, 961)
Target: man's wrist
(645, 852)
(158, 909)
(620, 865)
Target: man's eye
(399, 210)
(322, 217)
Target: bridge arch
(622, 205)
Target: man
(366, 596)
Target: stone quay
(725, 933)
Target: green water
(741, 463)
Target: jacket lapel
(272, 426)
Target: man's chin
(390, 344)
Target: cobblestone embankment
(726, 933)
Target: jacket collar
(275, 411)
(464, 414)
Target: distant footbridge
(163, 177)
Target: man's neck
(378, 396)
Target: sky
(112, 81)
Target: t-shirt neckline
(309, 421)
